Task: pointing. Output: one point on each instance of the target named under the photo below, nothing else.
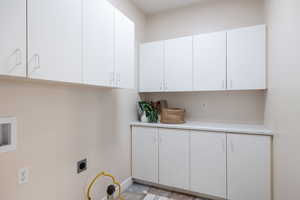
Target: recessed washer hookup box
(8, 134)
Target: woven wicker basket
(172, 116)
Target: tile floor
(142, 192)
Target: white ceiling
(153, 6)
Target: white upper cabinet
(246, 58)
(249, 167)
(124, 51)
(232, 60)
(179, 64)
(98, 42)
(208, 163)
(13, 37)
(151, 67)
(54, 40)
(209, 61)
(72, 41)
(174, 156)
(108, 46)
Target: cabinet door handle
(118, 78)
(36, 59)
(231, 84)
(160, 139)
(111, 78)
(223, 84)
(223, 146)
(17, 54)
(232, 146)
(155, 140)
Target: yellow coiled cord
(88, 194)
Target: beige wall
(61, 124)
(283, 99)
(215, 15)
(231, 107)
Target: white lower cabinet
(174, 158)
(145, 154)
(249, 167)
(222, 165)
(208, 163)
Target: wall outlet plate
(81, 166)
(23, 175)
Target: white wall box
(229, 60)
(225, 165)
(8, 134)
(151, 67)
(209, 62)
(13, 38)
(179, 64)
(174, 158)
(208, 163)
(145, 153)
(246, 60)
(249, 167)
(98, 43)
(124, 51)
(54, 40)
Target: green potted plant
(149, 111)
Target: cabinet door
(151, 67)
(179, 64)
(145, 154)
(246, 61)
(249, 167)
(124, 51)
(13, 37)
(98, 42)
(210, 61)
(174, 168)
(54, 40)
(208, 163)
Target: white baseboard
(124, 186)
(127, 183)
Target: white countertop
(218, 127)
